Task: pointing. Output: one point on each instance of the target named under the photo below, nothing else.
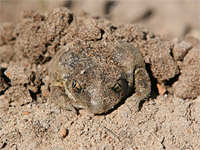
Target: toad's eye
(117, 87)
(76, 86)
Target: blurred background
(166, 18)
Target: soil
(170, 119)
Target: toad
(97, 75)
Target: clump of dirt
(26, 49)
(38, 36)
(188, 84)
(6, 33)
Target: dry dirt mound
(28, 121)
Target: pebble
(63, 133)
(161, 89)
(26, 113)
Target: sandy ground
(170, 119)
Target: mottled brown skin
(97, 75)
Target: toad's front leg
(142, 86)
(59, 97)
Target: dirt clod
(19, 75)
(6, 33)
(188, 85)
(181, 49)
(18, 96)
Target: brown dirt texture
(170, 119)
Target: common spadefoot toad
(97, 75)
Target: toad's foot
(60, 98)
(142, 87)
